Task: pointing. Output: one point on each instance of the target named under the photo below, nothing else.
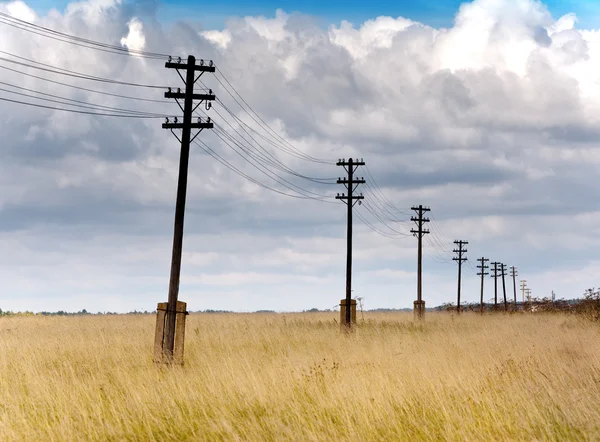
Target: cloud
(492, 122)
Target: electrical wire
(79, 41)
(270, 158)
(76, 111)
(127, 97)
(64, 100)
(57, 70)
(291, 149)
(372, 227)
(382, 196)
(277, 178)
(227, 164)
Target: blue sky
(436, 13)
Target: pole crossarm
(181, 96)
(191, 66)
(199, 125)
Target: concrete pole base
(419, 309)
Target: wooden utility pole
(523, 286)
(503, 269)
(186, 127)
(460, 259)
(419, 304)
(513, 273)
(482, 267)
(350, 200)
(495, 276)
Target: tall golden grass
(275, 377)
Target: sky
(484, 111)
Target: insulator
(210, 92)
(170, 59)
(169, 88)
(175, 119)
(211, 64)
(178, 59)
(201, 62)
(208, 119)
(166, 119)
(178, 90)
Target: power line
(262, 123)
(382, 196)
(265, 171)
(78, 112)
(57, 70)
(261, 168)
(275, 144)
(269, 158)
(231, 167)
(127, 97)
(72, 39)
(84, 104)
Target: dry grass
(268, 377)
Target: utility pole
(495, 276)
(523, 286)
(482, 267)
(186, 127)
(513, 273)
(528, 291)
(503, 269)
(350, 200)
(419, 304)
(460, 259)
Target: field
(274, 377)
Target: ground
(275, 377)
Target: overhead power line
(75, 40)
(269, 173)
(57, 70)
(79, 112)
(257, 119)
(127, 97)
(73, 102)
(267, 156)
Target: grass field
(274, 377)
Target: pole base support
(343, 324)
(419, 309)
(159, 335)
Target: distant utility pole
(419, 304)
(513, 273)
(523, 287)
(350, 200)
(503, 269)
(528, 291)
(482, 267)
(460, 259)
(495, 276)
(186, 127)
